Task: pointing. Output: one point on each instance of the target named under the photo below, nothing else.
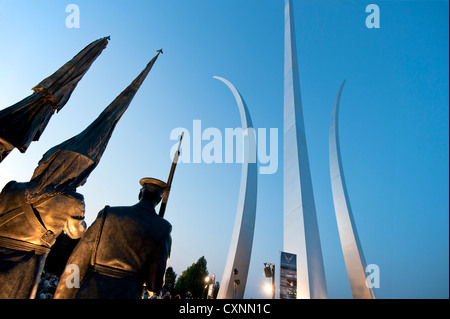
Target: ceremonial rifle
(162, 208)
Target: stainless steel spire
(234, 277)
(351, 247)
(301, 232)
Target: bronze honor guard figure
(125, 248)
(27, 232)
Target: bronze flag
(24, 122)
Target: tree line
(191, 283)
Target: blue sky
(393, 120)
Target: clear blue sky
(393, 120)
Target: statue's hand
(75, 228)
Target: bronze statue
(28, 231)
(33, 214)
(123, 250)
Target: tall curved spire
(301, 230)
(351, 246)
(233, 283)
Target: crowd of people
(167, 295)
(47, 285)
(160, 295)
(49, 282)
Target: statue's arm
(75, 225)
(158, 265)
(79, 261)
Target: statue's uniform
(125, 248)
(26, 239)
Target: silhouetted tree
(193, 280)
(169, 284)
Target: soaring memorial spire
(351, 246)
(24, 122)
(301, 231)
(234, 277)
(68, 165)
